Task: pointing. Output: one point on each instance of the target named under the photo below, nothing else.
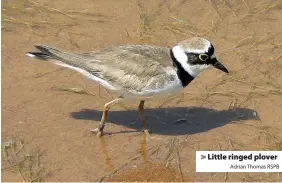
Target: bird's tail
(46, 52)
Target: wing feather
(135, 68)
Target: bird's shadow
(174, 120)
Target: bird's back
(135, 68)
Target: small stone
(9, 143)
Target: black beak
(219, 66)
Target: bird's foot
(99, 132)
(149, 135)
(146, 131)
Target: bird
(138, 72)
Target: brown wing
(132, 67)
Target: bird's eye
(203, 57)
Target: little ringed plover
(138, 71)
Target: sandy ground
(239, 111)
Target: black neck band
(183, 75)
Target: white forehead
(195, 45)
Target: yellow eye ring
(203, 57)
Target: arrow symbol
(203, 157)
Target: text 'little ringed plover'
(138, 71)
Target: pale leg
(141, 113)
(107, 107)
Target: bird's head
(195, 55)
